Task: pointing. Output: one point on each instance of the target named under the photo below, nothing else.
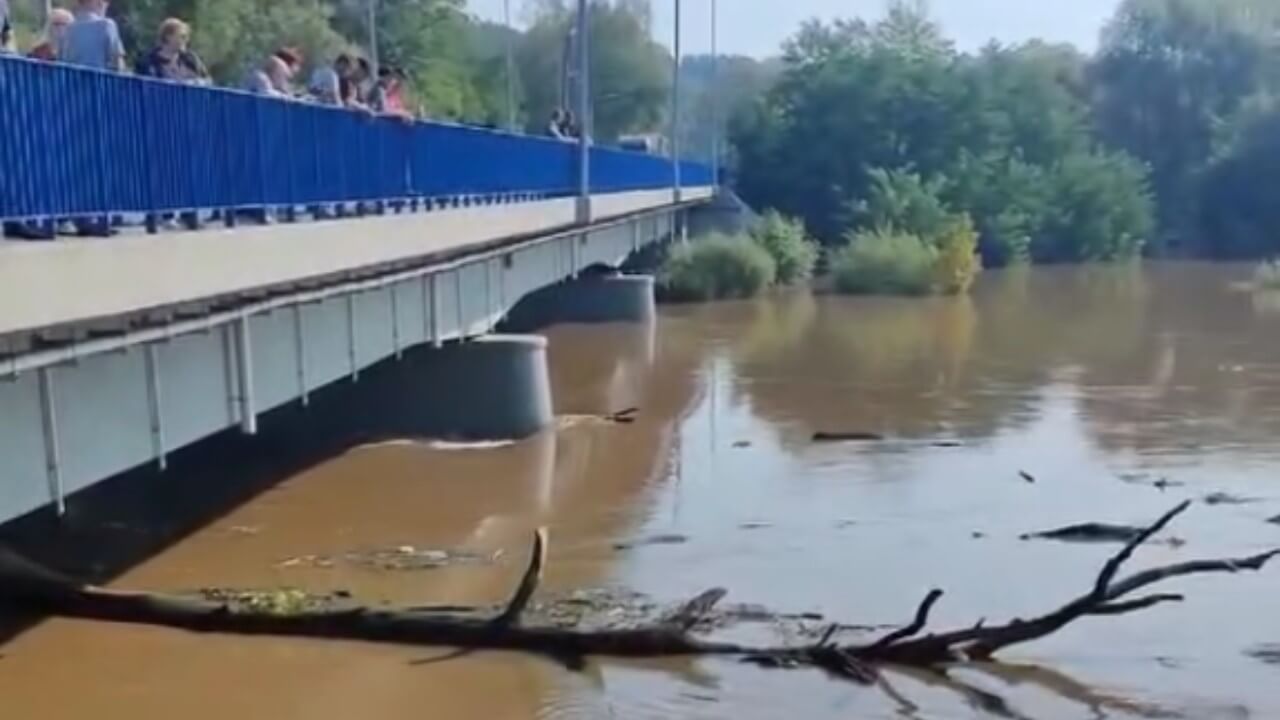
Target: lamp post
(511, 67)
(716, 123)
(373, 37)
(675, 108)
(584, 111)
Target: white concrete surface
(75, 281)
(105, 418)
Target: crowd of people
(89, 38)
(86, 36)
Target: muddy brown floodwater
(1100, 383)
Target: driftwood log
(29, 587)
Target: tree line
(1163, 141)
(456, 62)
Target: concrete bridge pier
(588, 299)
(495, 387)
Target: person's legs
(27, 231)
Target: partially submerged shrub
(793, 251)
(957, 263)
(884, 262)
(717, 267)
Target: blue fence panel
(82, 143)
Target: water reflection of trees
(1203, 373)
(1158, 356)
(895, 366)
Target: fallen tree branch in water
(27, 586)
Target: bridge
(316, 244)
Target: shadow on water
(122, 522)
(126, 520)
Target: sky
(758, 27)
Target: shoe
(27, 231)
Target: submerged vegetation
(777, 251)
(884, 262)
(788, 243)
(715, 268)
(915, 244)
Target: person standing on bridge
(272, 79)
(59, 20)
(171, 58)
(93, 40)
(388, 94)
(6, 29)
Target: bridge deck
(44, 285)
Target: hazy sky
(757, 27)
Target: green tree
(1170, 72)
(887, 126)
(1238, 209)
(1099, 210)
(629, 72)
(714, 91)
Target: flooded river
(1098, 383)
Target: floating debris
(1275, 520)
(624, 417)
(284, 602)
(1161, 483)
(827, 437)
(1222, 498)
(977, 535)
(469, 445)
(1088, 532)
(946, 444)
(1026, 476)
(244, 530)
(664, 539)
(402, 558)
(755, 525)
(1269, 653)
(316, 561)
(742, 444)
(408, 557)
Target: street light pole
(373, 37)
(675, 109)
(716, 124)
(584, 112)
(511, 67)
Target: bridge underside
(117, 352)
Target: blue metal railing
(81, 143)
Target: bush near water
(906, 241)
(777, 250)
(788, 243)
(718, 267)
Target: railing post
(99, 82)
(144, 105)
(291, 210)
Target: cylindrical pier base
(590, 299)
(495, 387)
